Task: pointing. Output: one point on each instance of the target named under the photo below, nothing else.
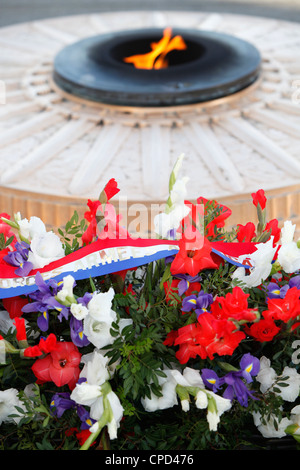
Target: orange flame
(156, 59)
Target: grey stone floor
(18, 11)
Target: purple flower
(199, 303)
(43, 321)
(276, 292)
(76, 332)
(84, 416)
(204, 300)
(236, 388)
(189, 303)
(85, 299)
(250, 366)
(44, 300)
(295, 282)
(210, 379)
(185, 282)
(19, 258)
(64, 311)
(60, 403)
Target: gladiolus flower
(275, 231)
(21, 330)
(14, 306)
(207, 337)
(259, 198)
(284, 309)
(110, 190)
(246, 232)
(233, 306)
(218, 222)
(60, 366)
(192, 260)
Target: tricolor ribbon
(109, 256)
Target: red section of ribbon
(230, 249)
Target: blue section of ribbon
(103, 269)
(230, 260)
(95, 271)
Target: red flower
(14, 305)
(259, 198)
(90, 233)
(90, 216)
(222, 212)
(233, 306)
(45, 346)
(264, 330)
(190, 259)
(110, 190)
(275, 231)
(171, 337)
(284, 309)
(220, 337)
(246, 232)
(207, 337)
(60, 366)
(188, 340)
(21, 330)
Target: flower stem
(101, 423)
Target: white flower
(269, 429)
(86, 394)
(79, 311)
(8, 401)
(269, 380)
(165, 222)
(289, 257)
(178, 192)
(261, 260)
(291, 391)
(45, 249)
(266, 375)
(116, 416)
(169, 395)
(201, 400)
(98, 322)
(169, 220)
(95, 393)
(185, 405)
(31, 228)
(287, 232)
(289, 253)
(216, 407)
(100, 304)
(67, 289)
(95, 369)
